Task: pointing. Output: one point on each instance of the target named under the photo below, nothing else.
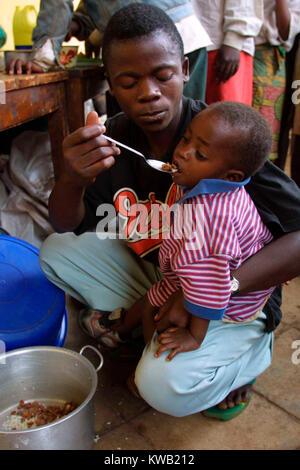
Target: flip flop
(228, 413)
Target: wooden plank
(26, 104)
(17, 82)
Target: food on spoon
(169, 167)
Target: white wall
(7, 9)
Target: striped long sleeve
(216, 233)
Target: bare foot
(236, 397)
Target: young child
(222, 148)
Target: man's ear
(185, 69)
(236, 176)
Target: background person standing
(232, 26)
(276, 37)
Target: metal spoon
(156, 164)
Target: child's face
(204, 152)
(146, 77)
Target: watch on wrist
(235, 285)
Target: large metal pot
(50, 376)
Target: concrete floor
(271, 421)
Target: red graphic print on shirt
(144, 224)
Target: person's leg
(230, 356)
(196, 86)
(103, 274)
(238, 88)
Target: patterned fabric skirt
(268, 87)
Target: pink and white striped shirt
(215, 228)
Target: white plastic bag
(29, 178)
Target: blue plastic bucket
(32, 309)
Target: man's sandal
(228, 413)
(102, 325)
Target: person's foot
(236, 397)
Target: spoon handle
(125, 146)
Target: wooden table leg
(57, 128)
(82, 85)
(75, 103)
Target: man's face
(146, 77)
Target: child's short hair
(253, 147)
(135, 21)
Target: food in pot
(30, 415)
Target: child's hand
(178, 339)
(172, 313)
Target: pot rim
(78, 357)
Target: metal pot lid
(27, 298)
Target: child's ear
(185, 69)
(236, 176)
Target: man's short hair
(135, 21)
(253, 147)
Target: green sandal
(229, 413)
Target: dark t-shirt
(131, 183)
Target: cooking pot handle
(88, 346)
